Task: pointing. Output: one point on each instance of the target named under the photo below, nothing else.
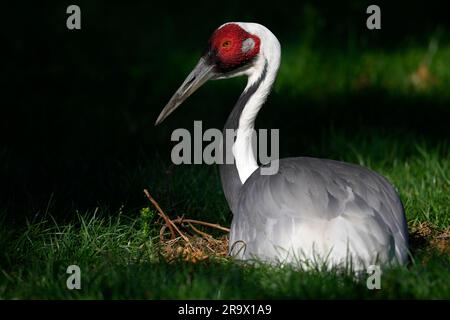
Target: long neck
(242, 121)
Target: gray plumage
(267, 209)
(313, 191)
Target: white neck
(268, 58)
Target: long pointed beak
(202, 72)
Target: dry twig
(169, 222)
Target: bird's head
(234, 49)
(231, 49)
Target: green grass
(393, 71)
(119, 256)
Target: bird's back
(316, 206)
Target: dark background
(78, 107)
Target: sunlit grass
(410, 71)
(119, 256)
(117, 263)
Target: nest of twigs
(182, 239)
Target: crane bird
(312, 210)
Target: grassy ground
(120, 257)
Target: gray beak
(202, 72)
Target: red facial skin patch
(228, 47)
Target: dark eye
(226, 44)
